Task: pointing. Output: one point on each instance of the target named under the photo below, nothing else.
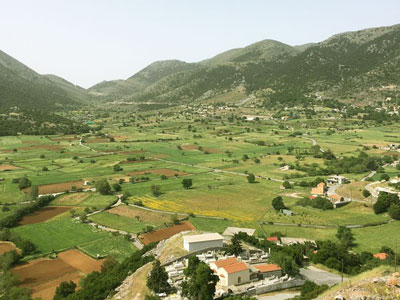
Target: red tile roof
(225, 262)
(236, 268)
(381, 256)
(272, 238)
(267, 268)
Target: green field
(66, 234)
(119, 222)
(216, 153)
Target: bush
(394, 211)
(117, 187)
(155, 190)
(117, 168)
(366, 193)
(24, 183)
(286, 184)
(187, 183)
(251, 178)
(277, 203)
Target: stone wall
(275, 287)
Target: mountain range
(361, 66)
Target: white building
(338, 180)
(198, 242)
(231, 271)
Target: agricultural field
(42, 276)
(147, 159)
(66, 233)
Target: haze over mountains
(352, 65)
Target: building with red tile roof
(381, 256)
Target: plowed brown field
(165, 233)
(43, 276)
(44, 214)
(58, 187)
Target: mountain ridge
(349, 65)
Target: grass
(119, 222)
(223, 195)
(59, 235)
(116, 247)
(212, 225)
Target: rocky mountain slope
(352, 65)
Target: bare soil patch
(166, 172)
(59, 187)
(43, 276)
(190, 147)
(44, 214)
(8, 168)
(81, 261)
(7, 246)
(165, 233)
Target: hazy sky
(88, 41)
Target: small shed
(268, 270)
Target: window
(239, 279)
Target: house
(268, 270)
(198, 242)
(381, 256)
(336, 198)
(320, 189)
(231, 231)
(285, 118)
(287, 212)
(273, 239)
(285, 168)
(338, 180)
(231, 271)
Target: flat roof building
(198, 242)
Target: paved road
(369, 175)
(320, 276)
(314, 142)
